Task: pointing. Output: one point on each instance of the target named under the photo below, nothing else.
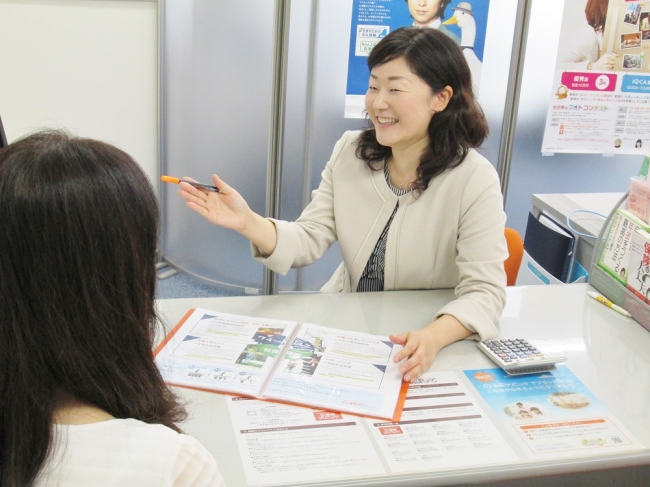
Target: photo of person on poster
(463, 21)
(430, 13)
(581, 50)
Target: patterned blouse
(372, 278)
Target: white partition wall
(87, 66)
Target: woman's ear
(441, 99)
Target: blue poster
(465, 22)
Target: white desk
(609, 353)
(558, 206)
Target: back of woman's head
(78, 231)
(438, 61)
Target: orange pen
(171, 179)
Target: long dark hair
(78, 231)
(439, 62)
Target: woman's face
(424, 11)
(400, 105)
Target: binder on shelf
(549, 246)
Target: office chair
(515, 253)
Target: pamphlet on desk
(552, 414)
(305, 364)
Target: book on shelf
(298, 363)
(638, 281)
(615, 256)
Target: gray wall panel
(216, 73)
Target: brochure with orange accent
(298, 363)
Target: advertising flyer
(441, 427)
(464, 22)
(552, 415)
(601, 86)
(279, 443)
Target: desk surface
(609, 353)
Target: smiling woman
(411, 203)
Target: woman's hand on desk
(422, 346)
(229, 209)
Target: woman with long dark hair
(81, 399)
(410, 201)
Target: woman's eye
(372, 88)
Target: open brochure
(285, 361)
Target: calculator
(517, 356)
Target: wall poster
(465, 22)
(601, 86)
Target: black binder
(549, 244)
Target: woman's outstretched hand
(422, 346)
(229, 209)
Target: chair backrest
(515, 253)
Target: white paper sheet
(279, 443)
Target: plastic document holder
(608, 286)
(550, 246)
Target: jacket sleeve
(480, 253)
(304, 241)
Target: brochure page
(223, 352)
(442, 427)
(279, 443)
(341, 370)
(552, 415)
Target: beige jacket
(451, 236)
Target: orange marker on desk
(171, 179)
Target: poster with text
(464, 22)
(601, 87)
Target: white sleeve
(194, 466)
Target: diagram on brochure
(280, 360)
(552, 415)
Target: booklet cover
(304, 364)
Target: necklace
(393, 179)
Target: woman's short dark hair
(78, 233)
(439, 62)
